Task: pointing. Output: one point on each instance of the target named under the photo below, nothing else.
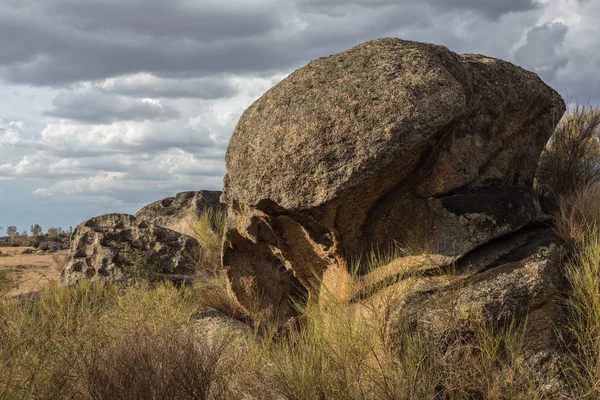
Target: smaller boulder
(181, 212)
(118, 247)
(213, 325)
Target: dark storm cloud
(490, 8)
(66, 41)
(97, 108)
(63, 41)
(200, 20)
(541, 51)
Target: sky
(108, 105)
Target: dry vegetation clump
(341, 353)
(208, 230)
(60, 260)
(578, 223)
(211, 284)
(578, 214)
(171, 364)
(569, 172)
(99, 342)
(571, 157)
(5, 283)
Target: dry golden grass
(578, 223)
(208, 230)
(339, 354)
(97, 342)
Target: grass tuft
(571, 158)
(578, 223)
(208, 230)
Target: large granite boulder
(390, 141)
(181, 212)
(119, 247)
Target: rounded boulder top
(335, 122)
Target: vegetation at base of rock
(578, 220)
(338, 354)
(212, 282)
(578, 214)
(103, 342)
(208, 231)
(571, 159)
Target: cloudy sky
(106, 105)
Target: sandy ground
(30, 272)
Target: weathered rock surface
(212, 325)
(389, 141)
(181, 212)
(115, 247)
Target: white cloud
(11, 133)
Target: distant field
(30, 272)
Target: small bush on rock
(137, 266)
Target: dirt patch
(30, 272)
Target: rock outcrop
(117, 247)
(390, 141)
(181, 212)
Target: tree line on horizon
(36, 231)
